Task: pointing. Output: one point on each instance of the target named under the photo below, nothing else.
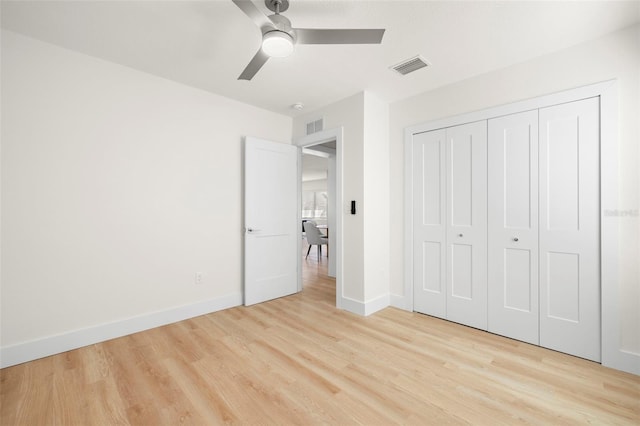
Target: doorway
(316, 204)
(320, 200)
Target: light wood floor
(298, 360)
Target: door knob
(515, 239)
(460, 235)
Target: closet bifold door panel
(570, 228)
(466, 209)
(450, 223)
(429, 223)
(513, 226)
(506, 232)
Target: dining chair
(314, 237)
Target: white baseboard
(377, 304)
(364, 308)
(51, 345)
(621, 360)
(401, 302)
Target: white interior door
(466, 160)
(570, 228)
(429, 223)
(513, 226)
(270, 220)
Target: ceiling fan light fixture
(277, 44)
(279, 37)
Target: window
(314, 204)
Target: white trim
(612, 354)
(352, 305)
(406, 299)
(570, 95)
(401, 302)
(51, 345)
(336, 245)
(376, 304)
(365, 308)
(319, 151)
(320, 137)
(299, 189)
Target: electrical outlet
(198, 278)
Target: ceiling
(314, 167)
(315, 163)
(206, 44)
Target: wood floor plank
(298, 360)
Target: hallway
(314, 275)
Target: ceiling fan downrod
(277, 6)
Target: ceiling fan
(279, 38)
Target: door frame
(612, 353)
(316, 139)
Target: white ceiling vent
(410, 65)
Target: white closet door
(429, 219)
(569, 228)
(466, 160)
(513, 226)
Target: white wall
(314, 185)
(614, 56)
(365, 177)
(375, 207)
(117, 186)
(348, 113)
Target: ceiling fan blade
(250, 9)
(337, 36)
(254, 66)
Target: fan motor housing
(280, 23)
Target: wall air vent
(314, 126)
(410, 65)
